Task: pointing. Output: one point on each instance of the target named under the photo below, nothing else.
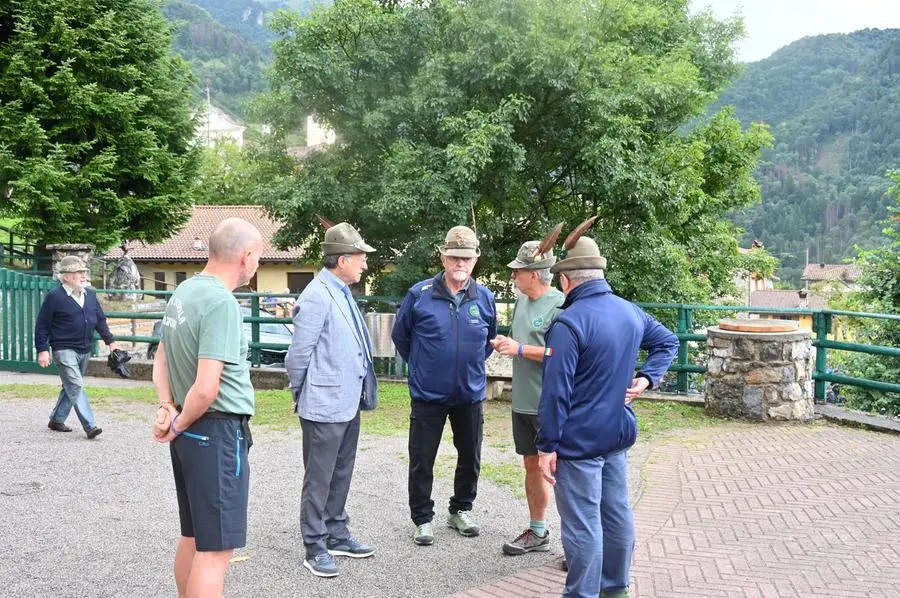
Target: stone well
(759, 370)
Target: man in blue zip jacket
(443, 329)
(66, 322)
(585, 428)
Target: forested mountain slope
(833, 103)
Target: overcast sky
(772, 24)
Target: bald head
(231, 239)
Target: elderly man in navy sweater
(585, 420)
(66, 322)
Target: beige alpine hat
(460, 242)
(72, 263)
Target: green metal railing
(21, 295)
(21, 255)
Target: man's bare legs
(537, 490)
(200, 574)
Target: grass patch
(510, 475)
(655, 417)
(100, 395)
(391, 418)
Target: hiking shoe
(322, 565)
(528, 541)
(94, 432)
(424, 535)
(620, 593)
(462, 522)
(349, 547)
(58, 427)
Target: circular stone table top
(760, 325)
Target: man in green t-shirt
(536, 308)
(205, 402)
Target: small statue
(126, 276)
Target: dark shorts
(525, 428)
(212, 481)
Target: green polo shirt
(530, 321)
(203, 321)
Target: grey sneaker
(349, 547)
(322, 565)
(424, 535)
(463, 523)
(528, 541)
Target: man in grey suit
(329, 365)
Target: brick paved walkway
(759, 511)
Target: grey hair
(583, 275)
(544, 275)
(331, 261)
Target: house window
(180, 277)
(159, 279)
(297, 281)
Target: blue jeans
(597, 523)
(72, 365)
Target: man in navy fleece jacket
(66, 322)
(585, 419)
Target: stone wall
(759, 376)
(59, 251)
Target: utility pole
(806, 285)
(208, 116)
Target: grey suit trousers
(329, 454)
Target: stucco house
(214, 123)
(164, 265)
(801, 299)
(831, 279)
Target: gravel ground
(98, 518)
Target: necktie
(357, 321)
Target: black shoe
(58, 427)
(94, 432)
(564, 564)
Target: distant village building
(164, 265)
(214, 123)
(801, 299)
(318, 137)
(749, 282)
(831, 279)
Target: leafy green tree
(225, 177)
(95, 122)
(519, 114)
(880, 282)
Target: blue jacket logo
(474, 311)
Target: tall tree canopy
(520, 113)
(95, 121)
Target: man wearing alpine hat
(329, 366)
(585, 428)
(536, 308)
(66, 323)
(443, 330)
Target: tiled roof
(180, 246)
(786, 299)
(842, 272)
